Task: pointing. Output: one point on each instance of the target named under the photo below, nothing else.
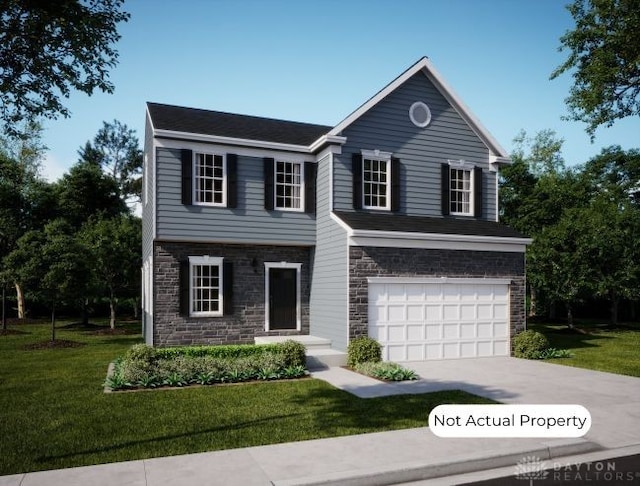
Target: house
(383, 225)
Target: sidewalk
(396, 456)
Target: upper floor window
(376, 180)
(209, 178)
(375, 176)
(288, 185)
(462, 185)
(461, 192)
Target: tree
(49, 48)
(604, 57)
(114, 247)
(117, 150)
(86, 191)
(52, 264)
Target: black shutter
(268, 182)
(184, 288)
(309, 187)
(356, 168)
(227, 287)
(396, 186)
(445, 188)
(477, 192)
(187, 176)
(232, 181)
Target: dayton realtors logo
(531, 468)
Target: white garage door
(439, 318)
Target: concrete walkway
(397, 456)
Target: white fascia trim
(439, 280)
(274, 242)
(342, 224)
(327, 139)
(406, 235)
(198, 137)
(417, 243)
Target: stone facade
(248, 318)
(367, 262)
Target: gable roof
(392, 222)
(425, 66)
(205, 122)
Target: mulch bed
(57, 344)
(10, 332)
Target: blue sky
(317, 61)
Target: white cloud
(51, 168)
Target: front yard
(596, 346)
(54, 414)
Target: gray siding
(148, 193)
(248, 223)
(387, 127)
(329, 304)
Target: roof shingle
(421, 224)
(206, 122)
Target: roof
(425, 66)
(206, 122)
(394, 222)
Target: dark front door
(282, 298)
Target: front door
(283, 312)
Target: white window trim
(275, 185)
(412, 115)
(211, 261)
(223, 204)
(384, 157)
(466, 166)
(268, 266)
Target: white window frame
(275, 185)
(298, 268)
(196, 190)
(210, 261)
(466, 167)
(377, 155)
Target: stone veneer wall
(248, 318)
(367, 262)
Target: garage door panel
(415, 321)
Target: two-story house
(384, 225)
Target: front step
(318, 350)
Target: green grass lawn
(597, 346)
(54, 414)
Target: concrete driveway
(613, 400)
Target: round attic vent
(420, 114)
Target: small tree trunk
(85, 312)
(20, 299)
(53, 321)
(614, 307)
(4, 307)
(570, 317)
(136, 307)
(112, 312)
(533, 301)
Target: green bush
(294, 353)
(529, 344)
(554, 353)
(386, 371)
(218, 351)
(362, 350)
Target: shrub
(362, 350)
(218, 351)
(554, 353)
(294, 353)
(142, 352)
(386, 371)
(529, 344)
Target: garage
(439, 318)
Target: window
(460, 184)
(375, 178)
(205, 286)
(209, 178)
(288, 185)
